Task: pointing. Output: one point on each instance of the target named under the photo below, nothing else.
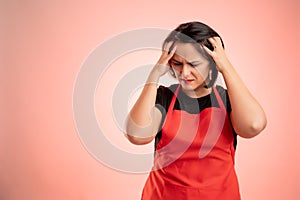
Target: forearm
(247, 116)
(143, 119)
(141, 111)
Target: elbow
(139, 135)
(137, 140)
(254, 128)
(259, 126)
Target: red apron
(195, 157)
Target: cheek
(201, 73)
(176, 70)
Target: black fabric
(188, 104)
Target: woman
(194, 123)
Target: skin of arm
(247, 115)
(144, 118)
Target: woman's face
(190, 66)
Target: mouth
(187, 81)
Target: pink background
(43, 45)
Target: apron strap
(219, 99)
(173, 99)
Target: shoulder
(164, 96)
(222, 91)
(166, 92)
(170, 88)
(224, 96)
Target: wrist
(153, 77)
(225, 67)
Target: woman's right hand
(144, 119)
(162, 66)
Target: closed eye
(195, 64)
(192, 64)
(176, 63)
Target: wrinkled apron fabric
(194, 158)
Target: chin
(189, 87)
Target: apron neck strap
(219, 99)
(174, 98)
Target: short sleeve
(225, 98)
(160, 100)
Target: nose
(185, 72)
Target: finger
(214, 39)
(172, 52)
(213, 42)
(216, 42)
(167, 46)
(207, 50)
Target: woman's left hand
(218, 54)
(247, 116)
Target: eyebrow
(193, 62)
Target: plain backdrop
(44, 43)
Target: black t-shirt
(188, 104)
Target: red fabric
(195, 157)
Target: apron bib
(194, 158)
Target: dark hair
(196, 32)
